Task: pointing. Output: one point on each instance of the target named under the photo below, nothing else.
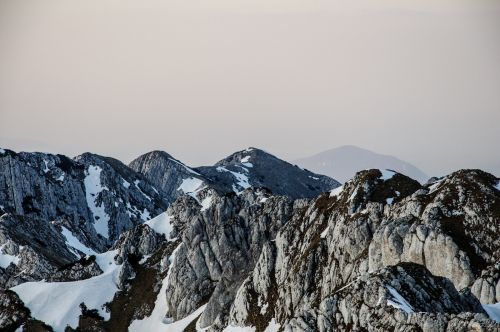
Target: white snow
(74, 243)
(157, 321)
(161, 224)
(398, 301)
(323, 234)
(337, 191)
(145, 215)
(497, 186)
(263, 199)
(313, 177)
(435, 185)
(144, 259)
(125, 183)
(242, 179)
(386, 174)
(232, 328)
(389, 200)
(191, 186)
(6, 259)
(205, 203)
(60, 178)
(58, 303)
(46, 168)
(273, 326)
(493, 310)
(92, 189)
(2, 151)
(245, 162)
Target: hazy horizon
(200, 79)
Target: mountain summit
(343, 162)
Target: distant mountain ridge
(251, 167)
(343, 162)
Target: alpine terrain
(252, 243)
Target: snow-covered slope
(343, 162)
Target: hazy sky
(418, 79)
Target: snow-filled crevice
(93, 188)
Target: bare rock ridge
(250, 244)
(247, 168)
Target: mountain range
(252, 243)
(343, 162)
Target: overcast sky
(418, 79)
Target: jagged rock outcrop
(98, 197)
(374, 222)
(31, 249)
(222, 244)
(165, 172)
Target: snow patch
(337, 191)
(93, 188)
(46, 168)
(73, 242)
(435, 185)
(191, 186)
(245, 162)
(493, 311)
(323, 234)
(58, 303)
(133, 211)
(497, 186)
(205, 203)
(6, 259)
(398, 301)
(60, 178)
(273, 326)
(389, 200)
(241, 179)
(144, 259)
(386, 174)
(314, 178)
(157, 321)
(161, 224)
(232, 328)
(2, 151)
(125, 183)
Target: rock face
(255, 168)
(356, 258)
(249, 242)
(241, 170)
(31, 249)
(165, 172)
(98, 197)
